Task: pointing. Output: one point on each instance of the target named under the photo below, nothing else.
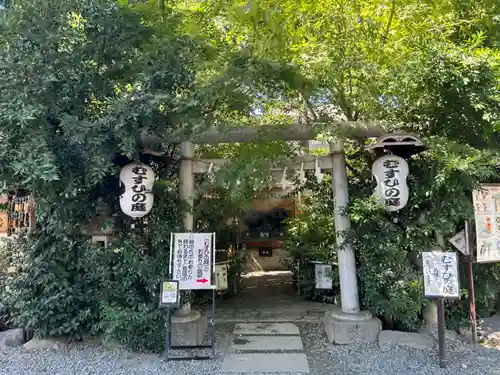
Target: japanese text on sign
(169, 293)
(192, 260)
(440, 274)
(486, 202)
(139, 176)
(390, 172)
(137, 182)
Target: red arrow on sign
(203, 281)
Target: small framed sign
(441, 278)
(323, 276)
(169, 294)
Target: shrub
(51, 291)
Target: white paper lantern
(137, 180)
(391, 172)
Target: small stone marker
(12, 337)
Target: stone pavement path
(270, 297)
(266, 348)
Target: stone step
(246, 363)
(266, 329)
(266, 343)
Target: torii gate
(344, 325)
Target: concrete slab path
(266, 348)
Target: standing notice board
(486, 202)
(441, 278)
(192, 260)
(192, 266)
(441, 281)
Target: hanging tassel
(284, 181)
(302, 175)
(211, 173)
(317, 172)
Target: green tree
(82, 83)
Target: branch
(309, 107)
(352, 169)
(389, 22)
(343, 102)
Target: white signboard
(323, 276)
(487, 216)
(391, 172)
(440, 274)
(458, 240)
(191, 260)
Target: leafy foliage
(52, 291)
(310, 237)
(81, 83)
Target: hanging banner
(137, 180)
(440, 274)
(390, 173)
(191, 260)
(486, 202)
(323, 276)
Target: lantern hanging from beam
(136, 182)
(391, 172)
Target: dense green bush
(129, 276)
(129, 280)
(53, 291)
(65, 286)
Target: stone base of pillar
(344, 328)
(189, 329)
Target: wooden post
(470, 277)
(441, 333)
(441, 315)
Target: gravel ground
(324, 359)
(330, 359)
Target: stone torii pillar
(347, 324)
(348, 280)
(189, 326)
(186, 194)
